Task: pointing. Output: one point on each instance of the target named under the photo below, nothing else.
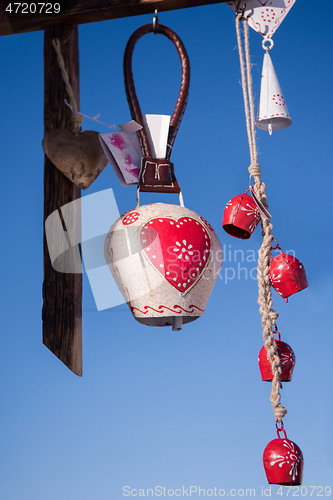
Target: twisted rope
(76, 117)
(268, 314)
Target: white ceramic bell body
(165, 260)
(273, 112)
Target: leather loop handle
(133, 102)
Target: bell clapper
(177, 323)
(270, 130)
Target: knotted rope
(76, 117)
(268, 314)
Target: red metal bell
(283, 461)
(241, 216)
(287, 274)
(287, 359)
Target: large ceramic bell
(164, 258)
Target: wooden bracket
(85, 11)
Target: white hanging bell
(273, 112)
(164, 258)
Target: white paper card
(123, 151)
(158, 130)
(130, 127)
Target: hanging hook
(269, 46)
(281, 425)
(155, 21)
(276, 245)
(240, 10)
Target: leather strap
(157, 174)
(169, 181)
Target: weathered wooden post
(62, 292)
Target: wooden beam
(86, 11)
(62, 292)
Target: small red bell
(287, 274)
(287, 359)
(283, 461)
(241, 216)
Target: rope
(244, 86)
(254, 157)
(94, 118)
(268, 314)
(76, 117)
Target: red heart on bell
(165, 260)
(178, 249)
(241, 216)
(287, 275)
(283, 462)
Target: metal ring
(279, 334)
(280, 429)
(276, 246)
(267, 47)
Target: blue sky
(156, 407)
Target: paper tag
(158, 131)
(123, 151)
(130, 127)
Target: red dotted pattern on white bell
(268, 15)
(178, 249)
(279, 99)
(130, 218)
